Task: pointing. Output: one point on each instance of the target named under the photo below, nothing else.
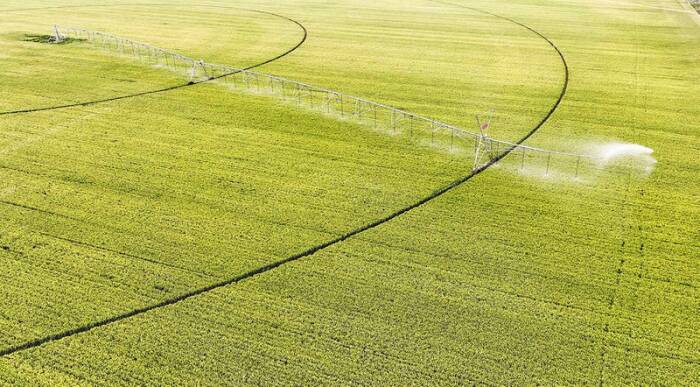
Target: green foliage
(509, 279)
(48, 39)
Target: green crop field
(157, 229)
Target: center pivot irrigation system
(422, 130)
(301, 93)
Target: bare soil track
(312, 250)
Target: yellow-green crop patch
(164, 238)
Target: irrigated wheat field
(164, 221)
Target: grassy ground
(507, 279)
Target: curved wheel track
(169, 88)
(437, 193)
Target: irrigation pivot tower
(483, 142)
(57, 36)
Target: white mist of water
(631, 155)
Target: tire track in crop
(35, 209)
(564, 87)
(124, 254)
(311, 251)
(165, 89)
